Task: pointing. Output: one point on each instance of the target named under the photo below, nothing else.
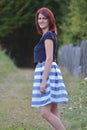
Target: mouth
(41, 25)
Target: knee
(44, 114)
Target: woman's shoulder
(49, 35)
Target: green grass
(76, 110)
(15, 100)
(6, 65)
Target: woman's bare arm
(48, 63)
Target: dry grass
(15, 103)
(16, 112)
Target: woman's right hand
(43, 87)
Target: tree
(13, 14)
(75, 28)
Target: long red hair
(48, 14)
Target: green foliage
(13, 14)
(76, 27)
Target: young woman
(48, 87)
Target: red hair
(48, 14)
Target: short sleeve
(49, 35)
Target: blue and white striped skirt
(55, 88)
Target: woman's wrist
(43, 79)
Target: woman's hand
(43, 87)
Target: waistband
(43, 61)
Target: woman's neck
(45, 30)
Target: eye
(44, 18)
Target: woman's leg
(47, 113)
(54, 110)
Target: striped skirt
(55, 88)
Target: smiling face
(43, 22)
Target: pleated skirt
(56, 91)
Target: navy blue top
(39, 49)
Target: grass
(6, 65)
(15, 100)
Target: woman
(48, 87)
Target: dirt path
(15, 103)
(15, 98)
(14, 81)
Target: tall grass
(15, 100)
(75, 113)
(6, 65)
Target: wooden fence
(74, 58)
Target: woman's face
(43, 22)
